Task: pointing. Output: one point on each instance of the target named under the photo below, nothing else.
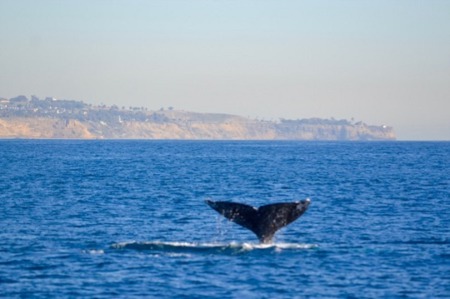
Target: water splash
(192, 247)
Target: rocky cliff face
(45, 128)
(21, 117)
(173, 124)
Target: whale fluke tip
(209, 202)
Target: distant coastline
(21, 117)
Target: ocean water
(127, 219)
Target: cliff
(21, 118)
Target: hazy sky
(382, 62)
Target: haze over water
(380, 62)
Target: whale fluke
(263, 221)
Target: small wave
(233, 247)
(94, 251)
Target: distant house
(3, 103)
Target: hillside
(21, 117)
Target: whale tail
(264, 221)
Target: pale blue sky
(382, 62)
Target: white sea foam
(193, 246)
(94, 251)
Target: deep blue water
(112, 219)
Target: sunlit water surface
(111, 219)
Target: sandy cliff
(44, 128)
(188, 125)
